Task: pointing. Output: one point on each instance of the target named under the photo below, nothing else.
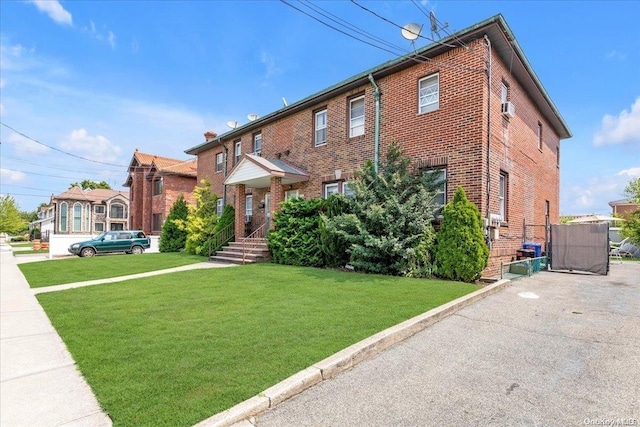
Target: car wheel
(87, 252)
(137, 250)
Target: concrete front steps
(257, 251)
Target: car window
(140, 235)
(122, 236)
(110, 236)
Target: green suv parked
(130, 242)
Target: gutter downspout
(376, 136)
(224, 186)
(487, 214)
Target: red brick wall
(455, 136)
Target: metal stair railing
(221, 238)
(249, 241)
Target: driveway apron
(555, 349)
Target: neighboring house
(45, 222)
(623, 207)
(155, 182)
(469, 106)
(80, 211)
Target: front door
(267, 210)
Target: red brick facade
(155, 183)
(454, 136)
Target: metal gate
(580, 247)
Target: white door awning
(256, 172)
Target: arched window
(63, 216)
(77, 217)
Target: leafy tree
(631, 227)
(173, 237)
(11, 221)
(461, 251)
(388, 229)
(87, 184)
(201, 221)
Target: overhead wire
(57, 167)
(59, 150)
(443, 27)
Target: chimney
(209, 135)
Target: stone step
(224, 259)
(239, 254)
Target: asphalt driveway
(555, 349)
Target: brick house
(155, 182)
(79, 211)
(623, 207)
(469, 106)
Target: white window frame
(356, 123)
(504, 93)
(248, 206)
(429, 93)
(77, 216)
(291, 194)
(64, 216)
(158, 186)
(320, 128)
(331, 185)
(442, 192)
(98, 208)
(124, 210)
(347, 190)
(237, 151)
(98, 227)
(502, 196)
(219, 162)
(257, 150)
(219, 207)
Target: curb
(241, 415)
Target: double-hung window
(429, 94)
(439, 177)
(237, 152)
(320, 127)
(356, 117)
(248, 207)
(219, 207)
(219, 161)
(329, 189)
(157, 186)
(63, 216)
(77, 217)
(502, 197)
(257, 144)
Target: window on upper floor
(558, 157)
(502, 196)
(356, 117)
(257, 144)
(237, 152)
(98, 209)
(504, 93)
(429, 93)
(157, 186)
(116, 210)
(320, 128)
(539, 136)
(219, 161)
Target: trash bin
(537, 250)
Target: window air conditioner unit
(247, 219)
(508, 109)
(257, 153)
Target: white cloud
(270, 64)
(614, 54)
(95, 147)
(25, 145)
(630, 173)
(107, 36)
(625, 128)
(12, 175)
(54, 9)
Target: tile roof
(97, 195)
(146, 159)
(186, 168)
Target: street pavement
(555, 349)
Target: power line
(40, 174)
(443, 27)
(59, 150)
(57, 167)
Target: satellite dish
(252, 117)
(232, 125)
(411, 31)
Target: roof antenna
(284, 101)
(434, 25)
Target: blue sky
(98, 79)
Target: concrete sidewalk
(40, 384)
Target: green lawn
(20, 244)
(71, 270)
(30, 252)
(174, 349)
